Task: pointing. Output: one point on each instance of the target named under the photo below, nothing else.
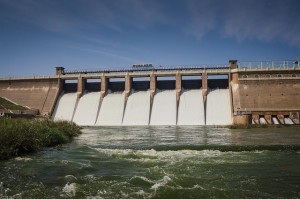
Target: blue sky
(38, 35)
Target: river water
(161, 162)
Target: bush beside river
(20, 136)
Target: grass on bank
(5, 104)
(247, 126)
(20, 136)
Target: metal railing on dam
(148, 69)
(288, 64)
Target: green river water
(161, 162)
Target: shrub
(19, 136)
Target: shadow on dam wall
(145, 85)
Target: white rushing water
(288, 121)
(87, 109)
(111, 111)
(65, 107)
(137, 109)
(164, 108)
(275, 120)
(218, 111)
(262, 120)
(191, 108)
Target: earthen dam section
(239, 93)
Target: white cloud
(202, 17)
(264, 20)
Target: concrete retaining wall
(38, 94)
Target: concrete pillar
(294, 116)
(178, 87)
(60, 88)
(80, 86)
(61, 83)
(153, 80)
(178, 92)
(281, 119)
(268, 118)
(204, 91)
(60, 70)
(104, 86)
(234, 78)
(255, 119)
(128, 84)
(204, 85)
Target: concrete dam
(234, 93)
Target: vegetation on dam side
(20, 136)
(5, 104)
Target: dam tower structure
(232, 93)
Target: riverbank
(21, 136)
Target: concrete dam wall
(197, 96)
(37, 94)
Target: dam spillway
(254, 92)
(164, 108)
(218, 107)
(191, 108)
(65, 107)
(87, 109)
(113, 111)
(137, 110)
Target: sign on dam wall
(239, 93)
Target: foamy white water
(164, 108)
(65, 107)
(111, 111)
(218, 111)
(262, 120)
(191, 108)
(137, 109)
(87, 109)
(288, 121)
(275, 120)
